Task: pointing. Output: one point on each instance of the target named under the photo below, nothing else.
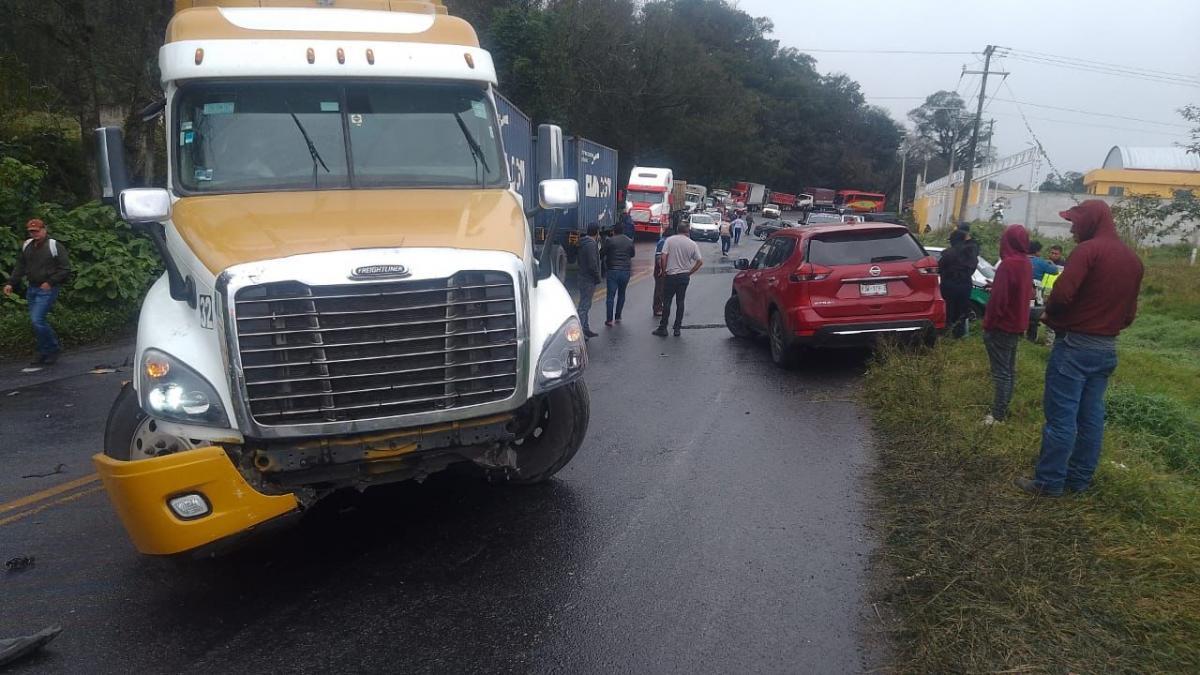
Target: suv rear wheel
(783, 353)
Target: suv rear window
(862, 247)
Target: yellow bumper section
(139, 491)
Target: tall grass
(985, 578)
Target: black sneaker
(678, 332)
(1035, 488)
(589, 333)
(660, 332)
(49, 359)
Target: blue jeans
(587, 289)
(40, 301)
(618, 280)
(737, 235)
(1074, 406)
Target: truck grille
(319, 354)
(640, 215)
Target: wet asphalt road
(714, 521)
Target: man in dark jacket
(1007, 317)
(618, 254)
(589, 275)
(1093, 300)
(955, 267)
(44, 265)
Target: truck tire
(558, 260)
(130, 434)
(553, 440)
(735, 321)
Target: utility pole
(969, 169)
(903, 157)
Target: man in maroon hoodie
(1007, 316)
(1093, 300)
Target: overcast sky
(1158, 35)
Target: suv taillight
(926, 265)
(810, 272)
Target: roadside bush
(112, 265)
(111, 261)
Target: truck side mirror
(562, 193)
(110, 163)
(144, 205)
(550, 158)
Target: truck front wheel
(553, 433)
(558, 258)
(130, 434)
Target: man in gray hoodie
(589, 275)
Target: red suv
(836, 285)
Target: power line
(884, 51)
(1145, 77)
(1097, 126)
(1087, 112)
(1103, 71)
(1148, 71)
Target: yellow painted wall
(1142, 182)
(920, 209)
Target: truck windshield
(250, 136)
(645, 196)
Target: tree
(942, 121)
(1191, 113)
(1071, 181)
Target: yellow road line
(48, 493)
(61, 500)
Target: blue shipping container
(516, 130)
(595, 167)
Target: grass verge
(76, 326)
(987, 579)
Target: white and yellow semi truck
(352, 296)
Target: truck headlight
(172, 391)
(564, 357)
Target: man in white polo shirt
(680, 260)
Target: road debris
(61, 468)
(13, 649)
(20, 563)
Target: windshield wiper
(888, 258)
(312, 149)
(476, 151)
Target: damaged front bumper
(188, 500)
(154, 499)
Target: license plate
(872, 289)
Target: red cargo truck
(783, 200)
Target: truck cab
(648, 199)
(352, 295)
